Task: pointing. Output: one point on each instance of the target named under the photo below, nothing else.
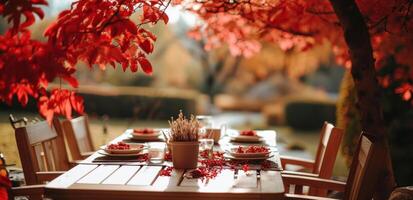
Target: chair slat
(48, 156)
(37, 153)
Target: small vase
(185, 154)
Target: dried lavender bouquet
(183, 129)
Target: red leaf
(29, 19)
(39, 12)
(124, 66)
(146, 46)
(72, 81)
(130, 26)
(165, 18)
(134, 66)
(245, 168)
(146, 65)
(77, 103)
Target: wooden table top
(131, 180)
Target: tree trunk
(357, 38)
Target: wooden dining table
(101, 177)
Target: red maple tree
(364, 33)
(96, 32)
(100, 32)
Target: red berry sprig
(248, 133)
(144, 131)
(252, 149)
(118, 146)
(166, 172)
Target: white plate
(226, 155)
(102, 152)
(247, 139)
(144, 137)
(134, 149)
(156, 133)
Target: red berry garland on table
(166, 172)
(212, 166)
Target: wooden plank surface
(122, 175)
(193, 182)
(246, 179)
(225, 179)
(71, 176)
(145, 176)
(169, 181)
(99, 174)
(271, 182)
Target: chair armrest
(48, 176)
(87, 154)
(306, 163)
(314, 182)
(300, 174)
(305, 197)
(30, 190)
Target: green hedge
(302, 115)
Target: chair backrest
(15, 123)
(364, 172)
(78, 137)
(330, 139)
(41, 148)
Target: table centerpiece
(183, 139)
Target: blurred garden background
(291, 92)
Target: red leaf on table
(245, 167)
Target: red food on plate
(144, 131)
(252, 149)
(248, 133)
(118, 146)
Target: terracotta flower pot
(185, 154)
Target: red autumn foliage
(302, 24)
(103, 32)
(97, 32)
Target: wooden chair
(362, 180)
(325, 158)
(326, 154)
(42, 151)
(78, 137)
